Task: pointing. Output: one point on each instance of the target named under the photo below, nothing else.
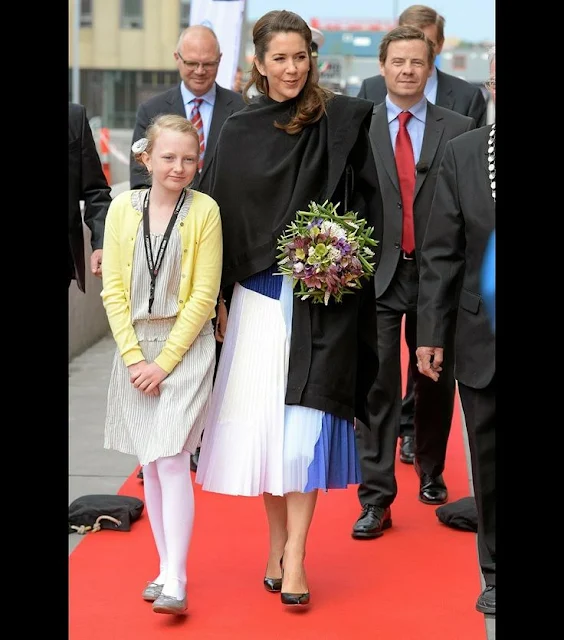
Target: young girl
(161, 276)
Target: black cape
(261, 177)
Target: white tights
(169, 499)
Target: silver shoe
(168, 604)
(152, 591)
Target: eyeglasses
(192, 66)
(490, 85)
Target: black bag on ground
(95, 512)
(461, 514)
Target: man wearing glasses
(198, 97)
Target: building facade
(124, 49)
(125, 53)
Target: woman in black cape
(293, 375)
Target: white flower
(333, 229)
(334, 254)
(140, 145)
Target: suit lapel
(445, 95)
(221, 112)
(381, 143)
(434, 128)
(177, 104)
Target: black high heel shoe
(273, 585)
(293, 599)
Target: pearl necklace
(491, 159)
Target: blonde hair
(169, 122)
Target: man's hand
(147, 377)
(221, 321)
(429, 361)
(96, 263)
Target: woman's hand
(221, 321)
(147, 377)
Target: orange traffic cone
(105, 153)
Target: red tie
(405, 165)
(196, 119)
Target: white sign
(225, 17)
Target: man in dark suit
(406, 61)
(197, 57)
(87, 182)
(447, 91)
(461, 222)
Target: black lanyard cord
(155, 265)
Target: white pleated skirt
(253, 442)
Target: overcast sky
(471, 20)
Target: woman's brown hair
(310, 105)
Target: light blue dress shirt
(431, 87)
(415, 126)
(206, 108)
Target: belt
(408, 256)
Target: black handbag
(95, 512)
(461, 514)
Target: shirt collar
(432, 82)
(418, 110)
(188, 96)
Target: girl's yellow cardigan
(202, 250)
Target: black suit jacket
(441, 125)
(86, 182)
(227, 102)
(452, 93)
(461, 221)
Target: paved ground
(93, 469)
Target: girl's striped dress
(154, 427)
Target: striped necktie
(196, 120)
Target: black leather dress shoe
(372, 522)
(432, 489)
(486, 601)
(194, 460)
(407, 449)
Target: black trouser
(479, 414)
(434, 401)
(408, 402)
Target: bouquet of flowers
(326, 254)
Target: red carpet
(417, 582)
